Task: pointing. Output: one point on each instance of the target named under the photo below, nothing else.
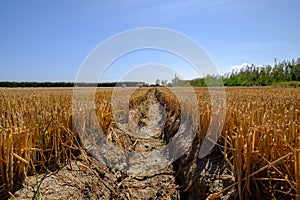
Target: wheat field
(260, 138)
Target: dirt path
(147, 174)
(151, 176)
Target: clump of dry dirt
(79, 180)
(206, 177)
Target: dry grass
(262, 126)
(37, 130)
(260, 137)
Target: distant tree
(164, 82)
(157, 82)
(284, 71)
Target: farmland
(257, 153)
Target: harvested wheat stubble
(258, 151)
(258, 142)
(136, 183)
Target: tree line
(67, 84)
(285, 73)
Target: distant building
(176, 79)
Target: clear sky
(49, 40)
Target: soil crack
(151, 172)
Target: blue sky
(49, 40)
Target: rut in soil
(147, 167)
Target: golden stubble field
(260, 139)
